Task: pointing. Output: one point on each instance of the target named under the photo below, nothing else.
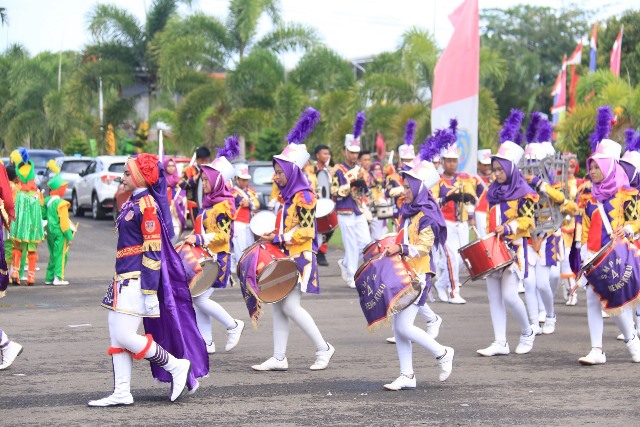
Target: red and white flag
(574, 59)
(457, 83)
(616, 54)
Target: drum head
(324, 184)
(324, 207)
(263, 222)
(205, 279)
(277, 280)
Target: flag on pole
(456, 87)
(559, 94)
(380, 151)
(574, 59)
(593, 48)
(616, 54)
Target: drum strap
(605, 219)
(242, 193)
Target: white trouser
(289, 309)
(378, 228)
(481, 223)
(123, 331)
(355, 236)
(596, 325)
(206, 310)
(406, 332)
(242, 239)
(503, 292)
(538, 282)
(457, 237)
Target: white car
(97, 186)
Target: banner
(456, 87)
(574, 59)
(616, 54)
(593, 48)
(559, 94)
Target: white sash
(605, 219)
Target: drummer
(569, 232)
(422, 226)
(322, 166)
(511, 203)
(295, 234)
(377, 227)
(485, 178)
(213, 230)
(247, 204)
(612, 194)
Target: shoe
(272, 364)
(322, 259)
(620, 337)
(233, 335)
(605, 315)
(193, 389)
(211, 348)
(536, 329)
(232, 281)
(595, 357)
(572, 300)
(549, 326)
(403, 382)
(343, 270)
(521, 287)
(59, 282)
(446, 364)
(391, 340)
(113, 400)
(179, 377)
(323, 358)
(9, 354)
(351, 285)
(442, 294)
(457, 300)
(526, 343)
(24, 278)
(48, 283)
(542, 317)
(634, 348)
(433, 328)
(495, 349)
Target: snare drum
(376, 247)
(262, 223)
(486, 255)
(326, 216)
(201, 266)
(384, 211)
(267, 272)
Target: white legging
(123, 331)
(289, 309)
(206, 310)
(538, 282)
(406, 333)
(596, 325)
(503, 292)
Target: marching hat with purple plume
(601, 146)
(352, 141)
(632, 145)
(510, 137)
(296, 151)
(406, 151)
(450, 151)
(222, 162)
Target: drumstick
(184, 242)
(576, 286)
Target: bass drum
(324, 184)
(262, 223)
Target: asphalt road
(64, 364)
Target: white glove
(396, 191)
(344, 190)
(151, 304)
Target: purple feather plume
(425, 151)
(453, 126)
(358, 125)
(533, 126)
(307, 122)
(511, 127)
(409, 132)
(603, 126)
(231, 148)
(632, 140)
(545, 131)
(519, 138)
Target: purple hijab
(219, 192)
(296, 181)
(634, 177)
(514, 188)
(614, 178)
(173, 179)
(424, 202)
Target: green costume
(59, 232)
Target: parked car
(97, 186)
(122, 196)
(70, 168)
(261, 180)
(40, 158)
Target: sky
(353, 28)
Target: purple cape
(514, 188)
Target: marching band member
(511, 204)
(177, 198)
(213, 229)
(377, 227)
(485, 178)
(150, 286)
(9, 350)
(457, 193)
(322, 166)
(352, 222)
(610, 213)
(26, 230)
(246, 203)
(296, 234)
(568, 229)
(191, 180)
(364, 192)
(422, 225)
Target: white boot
(9, 352)
(178, 368)
(122, 363)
